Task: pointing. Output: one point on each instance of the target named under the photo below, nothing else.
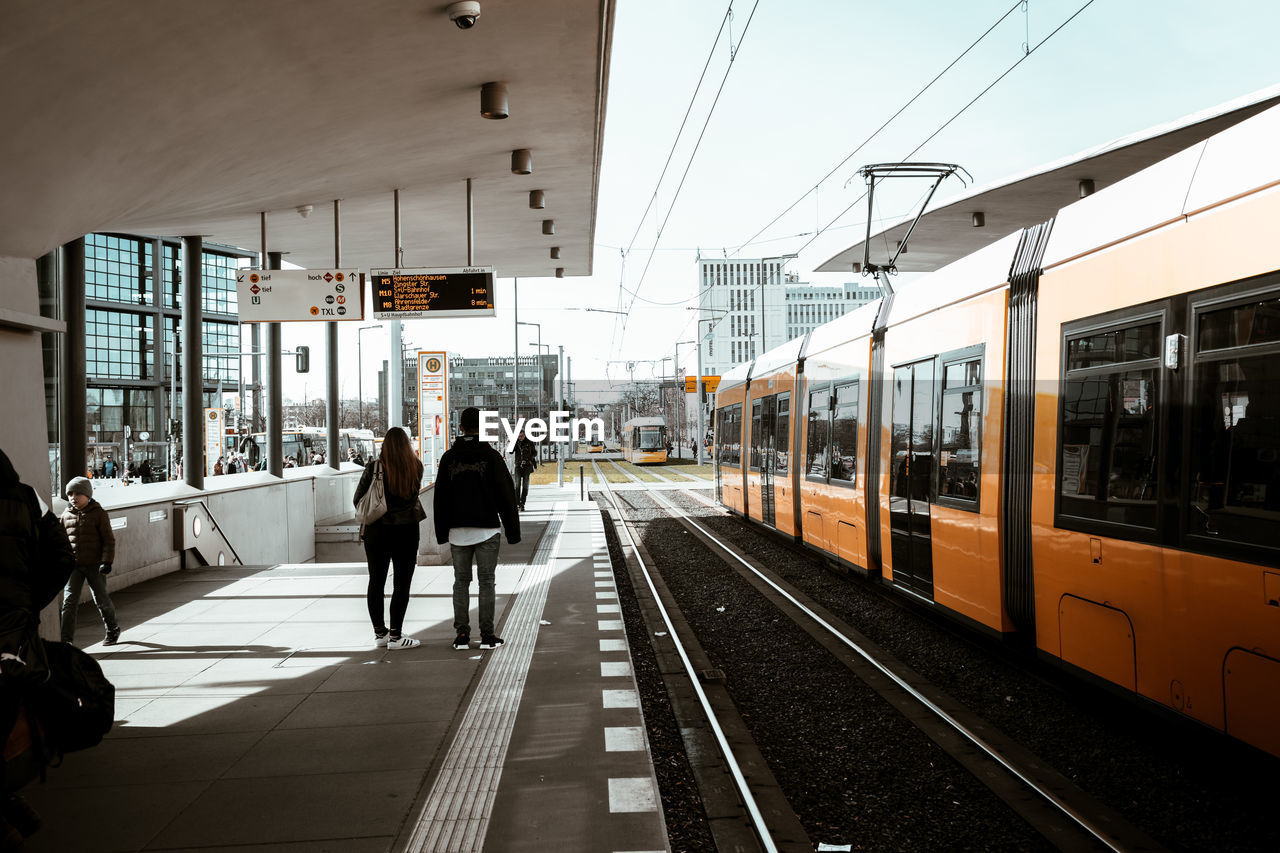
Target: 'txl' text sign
(291, 296)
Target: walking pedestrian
(393, 539)
(526, 460)
(89, 528)
(35, 561)
(474, 491)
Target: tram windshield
(651, 438)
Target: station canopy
(172, 119)
(946, 231)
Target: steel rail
(739, 780)
(1098, 834)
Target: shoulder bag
(373, 504)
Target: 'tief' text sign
(292, 296)
(432, 292)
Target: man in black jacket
(473, 491)
(35, 562)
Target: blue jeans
(71, 600)
(486, 559)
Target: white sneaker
(402, 643)
(380, 640)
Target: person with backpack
(89, 528)
(473, 491)
(526, 460)
(35, 562)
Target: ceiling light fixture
(555, 253)
(537, 200)
(304, 210)
(559, 272)
(493, 100)
(548, 226)
(521, 161)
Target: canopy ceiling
(172, 119)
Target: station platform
(253, 712)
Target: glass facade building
(133, 317)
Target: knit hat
(83, 485)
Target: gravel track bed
(853, 769)
(687, 828)
(1189, 788)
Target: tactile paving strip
(457, 810)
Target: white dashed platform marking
(620, 698)
(632, 795)
(623, 739)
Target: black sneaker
(21, 816)
(489, 641)
(113, 637)
(462, 641)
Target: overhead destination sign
(298, 296)
(432, 292)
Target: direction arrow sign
(290, 296)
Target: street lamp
(360, 367)
(680, 395)
(539, 345)
(764, 343)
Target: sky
(807, 85)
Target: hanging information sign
(299, 296)
(432, 292)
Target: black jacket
(526, 453)
(35, 556)
(473, 489)
(400, 510)
(89, 531)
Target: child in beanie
(89, 529)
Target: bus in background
(300, 446)
(644, 441)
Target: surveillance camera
(464, 14)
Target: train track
(1065, 816)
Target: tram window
(757, 436)
(1235, 449)
(844, 433)
(781, 433)
(729, 435)
(959, 461)
(1109, 461)
(818, 444)
(1257, 322)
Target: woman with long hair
(393, 539)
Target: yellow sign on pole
(710, 383)
(690, 384)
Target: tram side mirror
(304, 359)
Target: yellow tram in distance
(644, 441)
(1071, 435)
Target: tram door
(763, 414)
(911, 477)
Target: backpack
(76, 706)
(23, 664)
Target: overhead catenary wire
(693, 155)
(957, 115)
(728, 12)
(877, 131)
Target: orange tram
(1070, 436)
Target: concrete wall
(268, 520)
(24, 432)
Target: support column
(275, 390)
(193, 463)
(333, 406)
(73, 428)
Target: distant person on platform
(89, 528)
(393, 539)
(109, 467)
(526, 460)
(473, 492)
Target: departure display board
(426, 292)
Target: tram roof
(946, 232)
(176, 119)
